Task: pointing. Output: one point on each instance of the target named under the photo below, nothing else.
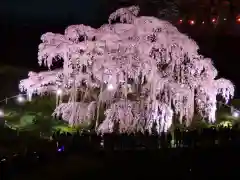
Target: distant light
(235, 114)
(214, 20)
(110, 87)
(203, 22)
(225, 19)
(59, 92)
(1, 113)
(20, 99)
(180, 21)
(238, 19)
(61, 149)
(192, 22)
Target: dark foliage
(196, 154)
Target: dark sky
(23, 21)
(49, 10)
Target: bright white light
(110, 87)
(129, 88)
(235, 114)
(1, 113)
(20, 99)
(59, 92)
(214, 20)
(192, 22)
(225, 19)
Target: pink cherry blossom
(134, 73)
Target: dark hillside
(10, 77)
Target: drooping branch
(143, 71)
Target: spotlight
(61, 149)
(110, 87)
(214, 20)
(235, 114)
(1, 113)
(20, 99)
(59, 92)
(192, 22)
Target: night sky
(23, 21)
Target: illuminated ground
(34, 116)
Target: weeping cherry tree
(132, 74)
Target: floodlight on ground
(59, 92)
(1, 113)
(110, 87)
(235, 114)
(20, 99)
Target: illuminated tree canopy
(140, 71)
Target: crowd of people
(206, 137)
(15, 141)
(19, 151)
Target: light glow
(110, 87)
(192, 22)
(20, 99)
(59, 92)
(235, 114)
(214, 20)
(1, 113)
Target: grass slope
(34, 116)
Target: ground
(34, 116)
